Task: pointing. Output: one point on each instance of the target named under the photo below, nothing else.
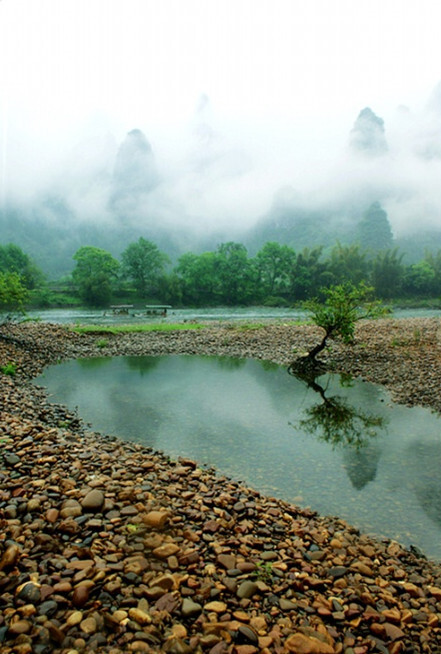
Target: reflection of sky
(244, 420)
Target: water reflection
(338, 422)
(426, 466)
(238, 415)
(335, 420)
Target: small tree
(13, 295)
(342, 307)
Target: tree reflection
(335, 420)
(142, 364)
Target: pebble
(93, 501)
(247, 589)
(189, 608)
(110, 547)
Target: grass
(9, 369)
(414, 340)
(133, 329)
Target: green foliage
(264, 571)
(387, 274)
(347, 264)
(144, 263)
(342, 307)
(275, 276)
(274, 263)
(14, 260)
(308, 274)
(198, 278)
(129, 329)
(420, 278)
(338, 423)
(9, 369)
(13, 294)
(95, 272)
(235, 273)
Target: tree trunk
(309, 363)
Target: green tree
(434, 261)
(387, 274)
(342, 307)
(235, 273)
(347, 264)
(14, 260)
(374, 229)
(419, 279)
(308, 274)
(198, 275)
(13, 293)
(273, 264)
(144, 263)
(94, 274)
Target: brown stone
(166, 550)
(216, 607)
(227, 561)
(299, 643)
(393, 632)
(9, 557)
(93, 501)
(155, 519)
(80, 596)
(19, 627)
(139, 616)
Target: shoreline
(107, 546)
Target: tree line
(276, 275)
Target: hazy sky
(285, 78)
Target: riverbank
(110, 547)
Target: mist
(225, 176)
(195, 123)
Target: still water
(86, 316)
(342, 449)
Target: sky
(278, 85)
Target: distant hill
(121, 193)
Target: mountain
(367, 136)
(108, 194)
(135, 174)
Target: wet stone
(29, 593)
(247, 589)
(337, 571)
(11, 459)
(93, 501)
(190, 608)
(48, 608)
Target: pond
(340, 448)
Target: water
(86, 316)
(346, 451)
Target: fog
(199, 116)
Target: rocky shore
(110, 547)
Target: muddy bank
(110, 547)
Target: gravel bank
(110, 547)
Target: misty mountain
(110, 194)
(290, 222)
(135, 174)
(367, 136)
